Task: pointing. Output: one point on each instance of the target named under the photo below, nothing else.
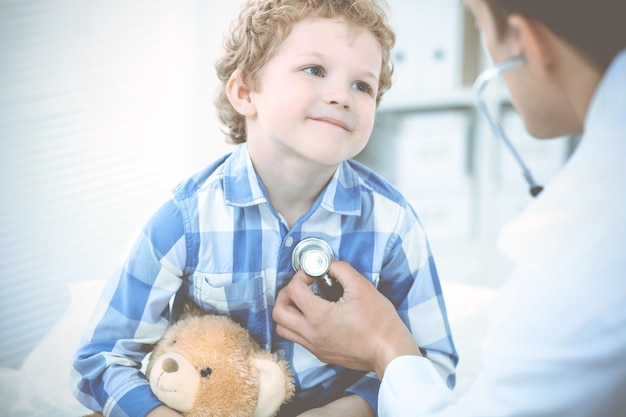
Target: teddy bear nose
(170, 365)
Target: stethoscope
(314, 256)
(479, 85)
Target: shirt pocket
(242, 296)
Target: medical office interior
(106, 106)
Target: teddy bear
(207, 365)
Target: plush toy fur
(209, 366)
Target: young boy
(301, 83)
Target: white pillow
(47, 367)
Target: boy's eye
(316, 71)
(363, 87)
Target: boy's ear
(535, 41)
(239, 95)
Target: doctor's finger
(299, 282)
(289, 323)
(299, 294)
(300, 278)
(349, 278)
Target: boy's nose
(341, 102)
(338, 95)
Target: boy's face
(316, 97)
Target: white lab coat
(557, 341)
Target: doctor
(557, 343)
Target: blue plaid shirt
(219, 242)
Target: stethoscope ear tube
(479, 85)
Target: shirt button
(289, 241)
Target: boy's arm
(409, 279)
(132, 315)
(349, 406)
(163, 411)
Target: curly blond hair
(264, 24)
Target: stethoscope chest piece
(313, 256)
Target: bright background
(106, 105)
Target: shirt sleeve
(131, 316)
(543, 356)
(409, 279)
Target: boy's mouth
(333, 121)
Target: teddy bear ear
(272, 386)
(191, 309)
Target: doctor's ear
(535, 40)
(239, 95)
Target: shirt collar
(242, 186)
(343, 192)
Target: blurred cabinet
(427, 52)
(430, 142)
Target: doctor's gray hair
(596, 28)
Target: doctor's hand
(361, 331)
